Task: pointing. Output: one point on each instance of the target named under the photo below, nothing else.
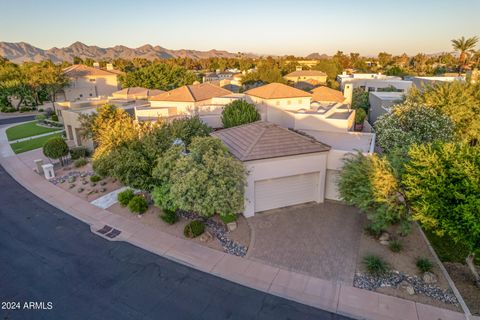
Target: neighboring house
(136, 93)
(285, 167)
(89, 82)
(373, 82)
(419, 82)
(217, 75)
(205, 100)
(307, 79)
(326, 95)
(381, 103)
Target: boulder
(429, 277)
(384, 242)
(407, 287)
(385, 236)
(205, 237)
(232, 225)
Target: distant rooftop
(81, 70)
(306, 73)
(192, 93)
(277, 91)
(388, 95)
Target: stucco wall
(283, 167)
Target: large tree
(465, 47)
(161, 76)
(410, 123)
(239, 112)
(442, 183)
(208, 180)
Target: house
(373, 82)
(306, 79)
(136, 93)
(285, 167)
(205, 100)
(419, 82)
(218, 75)
(89, 82)
(381, 103)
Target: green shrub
(239, 112)
(56, 148)
(375, 265)
(373, 231)
(54, 117)
(8, 109)
(80, 162)
(95, 178)
(360, 116)
(228, 218)
(138, 204)
(78, 152)
(124, 197)
(40, 110)
(395, 246)
(169, 216)
(40, 117)
(194, 228)
(424, 265)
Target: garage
(286, 191)
(284, 167)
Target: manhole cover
(105, 229)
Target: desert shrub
(375, 265)
(124, 197)
(138, 204)
(169, 216)
(424, 265)
(228, 218)
(78, 152)
(80, 162)
(56, 148)
(194, 229)
(360, 116)
(395, 246)
(95, 178)
(54, 117)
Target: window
(81, 95)
(90, 94)
(371, 89)
(91, 80)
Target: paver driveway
(318, 239)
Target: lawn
(28, 129)
(31, 144)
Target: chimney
(348, 93)
(109, 66)
(96, 65)
(298, 68)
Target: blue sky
(282, 27)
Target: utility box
(48, 171)
(38, 165)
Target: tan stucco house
(90, 82)
(306, 79)
(136, 93)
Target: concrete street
(48, 256)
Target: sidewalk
(331, 296)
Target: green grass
(35, 143)
(28, 129)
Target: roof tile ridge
(191, 93)
(247, 153)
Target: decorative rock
(429, 277)
(72, 186)
(90, 192)
(232, 225)
(72, 179)
(103, 190)
(384, 242)
(93, 184)
(102, 183)
(80, 190)
(206, 236)
(83, 174)
(384, 237)
(84, 182)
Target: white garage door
(286, 191)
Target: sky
(279, 27)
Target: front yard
(34, 143)
(28, 129)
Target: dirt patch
(464, 282)
(152, 219)
(91, 191)
(414, 246)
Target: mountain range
(21, 51)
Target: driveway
(48, 256)
(321, 240)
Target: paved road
(48, 256)
(16, 119)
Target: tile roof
(277, 91)
(192, 93)
(80, 70)
(138, 91)
(264, 140)
(306, 73)
(327, 94)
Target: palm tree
(465, 47)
